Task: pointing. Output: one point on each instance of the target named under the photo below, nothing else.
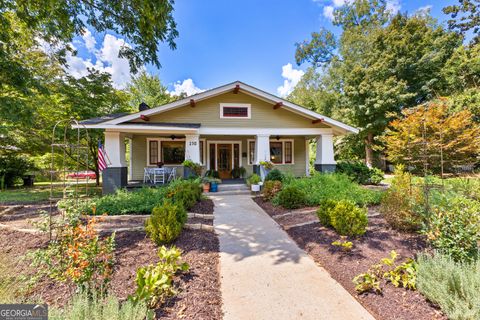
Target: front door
(224, 160)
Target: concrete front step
(229, 192)
(232, 187)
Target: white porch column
(325, 161)
(307, 157)
(192, 148)
(115, 175)
(115, 149)
(262, 148)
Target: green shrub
(271, 188)
(13, 167)
(185, 192)
(253, 179)
(166, 222)
(359, 172)
(291, 197)
(348, 219)
(451, 285)
(274, 175)
(10, 282)
(140, 201)
(155, 282)
(321, 186)
(400, 202)
(324, 212)
(195, 167)
(83, 306)
(453, 226)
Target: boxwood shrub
(166, 222)
(291, 197)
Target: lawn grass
(37, 194)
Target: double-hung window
(281, 151)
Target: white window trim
(250, 163)
(241, 105)
(159, 155)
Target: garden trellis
(69, 157)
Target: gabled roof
(244, 88)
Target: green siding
(207, 113)
(139, 154)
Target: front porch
(130, 152)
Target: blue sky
(222, 41)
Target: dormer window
(235, 111)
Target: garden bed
(199, 290)
(379, 240)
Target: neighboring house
(235, 125)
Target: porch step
(232, 187)
(228, 193)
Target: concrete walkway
(265, 275)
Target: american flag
(102, 161)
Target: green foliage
(254, 179)
(85, 306)
(465, 18)
(423, 131)
(274, 175)
(344, 244)
(238, 172)
(368, 281)
(359, 172)
(404, 274)
(400, 201)
(291, 197)
(348, 219)
(140, 201)
(185, 192)
(148, 89)
(322, 186)
(77, 255)
(10, 282)
(212, 174)
(155, 282)
(453, 226)
(324, 212)
(166, 222)
(195, 167)
(453, 286)
(12, 167)
(403, 64)
(267, 164)
(271, 188)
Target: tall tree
(381, 64)
(148, 89)
(465, 17)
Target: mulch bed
(204, 206)
(199, 296)
(379, 240)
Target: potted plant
(191, 169)
(214, 184)
(238, 172)
(254, 182)
(206, 184)
(265, 167)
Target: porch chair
(147, 175)
(172, 174)
(159, 175)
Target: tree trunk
(369, 150)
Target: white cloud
(292, 77)
(328, 12)
(186, 86)
(393, 6)
(424, 10)
(89, 40)
(106, 59)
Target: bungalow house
(235, 125)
